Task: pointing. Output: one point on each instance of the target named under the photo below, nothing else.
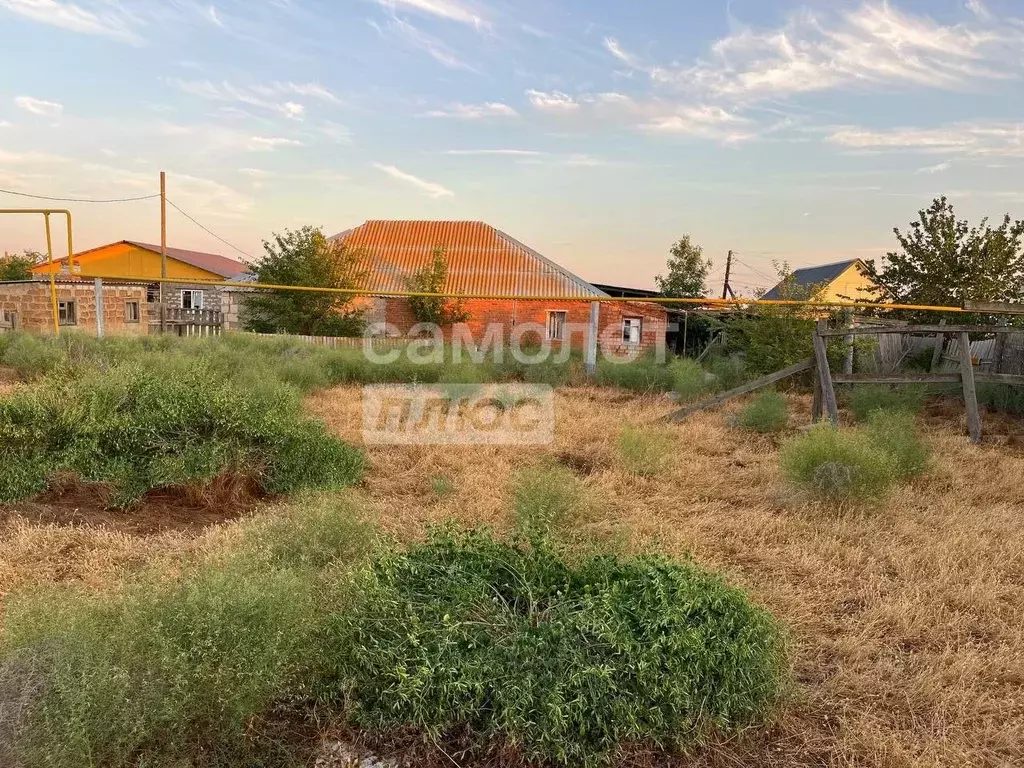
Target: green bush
(169, 423)
(866, 398)
(646, 451)
(766, 413)
(642, 375)
(894, 433)
(838, 465)
(566, 663)
(179, 672)
(729, 371)
(544, 499)
(689, 381)
(1003, 398)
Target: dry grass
(905, 619)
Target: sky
(596, 131)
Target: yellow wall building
(141, 261)
(841, 281)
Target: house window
(556, 326)
(632, 330)
(152, 294)
(131, 311)
(9, 318)
(66, 314)
(191, 299)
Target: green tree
(18, 266)
(687, 271)
(432, 279)
(945, 261)
(305, 257)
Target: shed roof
(818, 275)
(481, 259)
(211, 262)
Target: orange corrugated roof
(481, 259)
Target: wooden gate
(191, 322)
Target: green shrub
(766, 413)
(865, 398)
(729, 371)
(642, 375)
(169, 423)
(838, 465)
(646, 451)
(689, 381)
(1003, 398)
(566, 663)
(894, 433)
(442, 487)
(31, 356)
(185, 671)
(545, 498)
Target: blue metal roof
(822, 274)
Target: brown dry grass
(905, 619)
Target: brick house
(483, 260)
(27, 305)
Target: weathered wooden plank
(970, 392)
(750, 386)
(828, 391)
(922, 329)
(940, 340)
(994, 307)
(816, 402)
(896, 378)
(1000, 378)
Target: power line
(206, 230)
(756, 271)
(77, 199)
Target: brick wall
(508, 316)
(31, 301)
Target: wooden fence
(965, 375)
(343, 342)
(188, 322)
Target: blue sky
(596, 131)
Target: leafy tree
(945, 261)
(432, 279)
(305, 257)
(687, 271)
(18, 266)
(773, 337)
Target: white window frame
(557, 320)
(192, 294)
(632, 327)
(69, 309)
(132, 312)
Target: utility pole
(726, 288)
(163, 250)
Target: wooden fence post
(970, 392)
(816, 402)
(828, 391)
(940, 339)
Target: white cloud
(452, 10)
(336, 132)
(263, 96)
(986, 139)
(416, 39)
(39, 106)
(109, 19)
(4, 124)
(474, 111)
(505, 152)
(553, 101)
(977, 7)
(211, 14)
(874, 44)
(270, 143)
(938, 168)
(430, 188)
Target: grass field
(904, 617)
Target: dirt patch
(190, 508)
